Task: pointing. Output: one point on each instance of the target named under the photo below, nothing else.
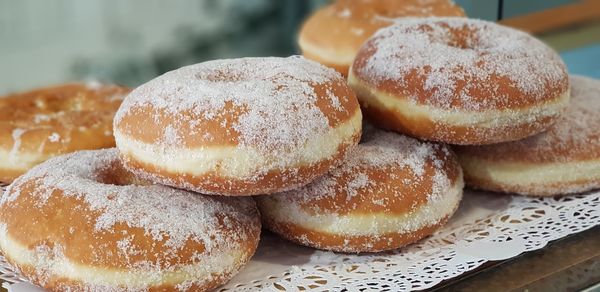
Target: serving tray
(486, 227)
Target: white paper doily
(486, 227)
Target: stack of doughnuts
(499, 95)
(563, 160)
(170, 209)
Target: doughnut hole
(116, 174)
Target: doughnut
(77, 223)
(239, 126)
(391, 191)
(48, 122)
(563, 160)
(459, 81)
(333, 34)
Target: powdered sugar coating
(273, 100)
(574, 137)
(390, 191)
(380, 150)
(173, 220)
(334, 33)
(239, 126)
(184, 215)
(459, 63)
(579, 126)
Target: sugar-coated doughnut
(47, 122)
(563, 160)
(391, 191)
(459, 81)
(334, 33)
(239, 126)
(75, 223)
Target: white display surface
(486, 227)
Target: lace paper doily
(486, 227)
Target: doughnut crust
(333, 34)
(563, 160)
(76, 223)
(239, 126)
(48, 122)
(391, 191)
(459, 81)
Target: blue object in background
(514, 8)
(488, 9)
(583, 61)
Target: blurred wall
(130, 41)
(44, 42)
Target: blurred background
(132, 41)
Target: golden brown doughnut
(47, 122)
(391, 191)
(333, 34)
(239, 126)
(459, 81)
(563, 160)
(75, 223)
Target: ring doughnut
(239, 126)
(391, 191)
(333, 34)
(563, 160)
(47, 122)
(459, 81)
(75, 223)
